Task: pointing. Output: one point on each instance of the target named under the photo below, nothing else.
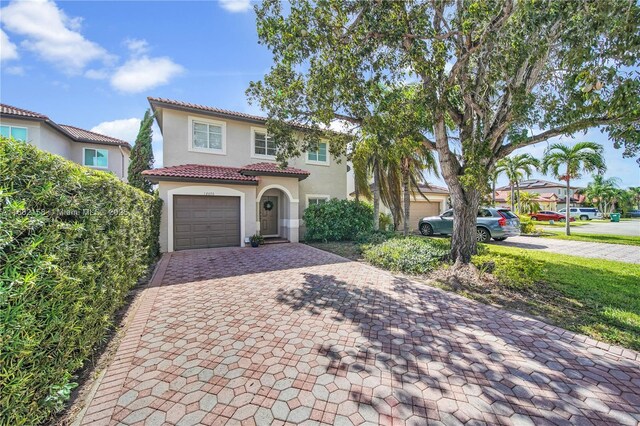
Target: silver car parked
(498, 224)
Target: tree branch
(563, 130)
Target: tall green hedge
(337, 220)
(73, 242)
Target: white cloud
(236, 6)
(15, 70)
(137, 46)
(141, 74)
(127, 130)
(97, 74)
(8, 50)
(51, 34)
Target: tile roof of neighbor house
(11, 110)
(272, 169)
(435, 189)
(200, 171)
(82, 135)
(502, 196)
(75, 133)
(536, 183)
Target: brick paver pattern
(291, 334)
(619, 252)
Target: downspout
(122, 162)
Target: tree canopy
(487, 77)
(142, 155)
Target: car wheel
(500, 239)
(584, 217)
(426, 229)
(482, 235)
(562, 220)
(534, 218)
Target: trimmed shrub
(374, 237)
(514, 271)
(411, 255)
(73, 242)
(337, 220)
(385, 222)
(527, 227)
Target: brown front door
(269, 217)
(205, 221)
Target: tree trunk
(518, 197)
(465, 212)
(406, 201)
(513, 208)
(357, 194)
(568, 213)
(376, 199)
(493, 193)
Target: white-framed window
(319, 156)
(18, 133)
(207, 136)
(313, 199)
(94, 157)
(262, 145)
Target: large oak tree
(492, 76)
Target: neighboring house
(78, 145)
(546, 188)
(547, 200)
(435, 203)
(221, 184)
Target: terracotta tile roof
(435, 189)
(548, 195)
(272, 168)
(200, 171)
(11, 110)
(82, 135)
(219, 112)
(501, 196)
(536, 184)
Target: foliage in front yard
(410, 255)
(337, 220)
(527, 226)
(73, 242)
(518, 272)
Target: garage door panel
(206, 221)
(422, 209)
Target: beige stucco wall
(46, 138)
(186, 188)
(330, 180)
(118, 162)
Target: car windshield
(507, 214)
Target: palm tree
(579, 158)
(527, 202)
(515, 168)
(414, 160)
(603, 191)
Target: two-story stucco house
(78, 145)
(220, 181)
(551, 194)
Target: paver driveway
(289, 332)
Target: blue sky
(93, 63)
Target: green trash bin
(615, 217)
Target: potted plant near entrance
(256, 240)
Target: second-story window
(263, 145)
(18, 133)
(96, 158)
(319, 155)
(207, 136)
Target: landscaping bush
(527, 227)
(514, 271)
(374, 237)
(337, 220)
(385, 222)
(411, 255)
(73, 242)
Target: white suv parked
(583, 213)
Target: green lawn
(597, 238)
(596, 297)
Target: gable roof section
(74, 133)
(273, 169)
(81, 135)
(21, 113)
(198, 172)
(536, 184)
